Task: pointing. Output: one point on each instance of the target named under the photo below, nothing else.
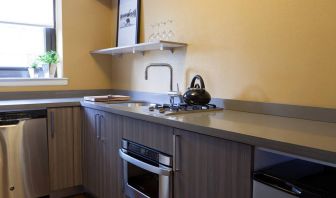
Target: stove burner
(182, 107)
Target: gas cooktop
(167, 109)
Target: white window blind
(30, 12)
(24, 27)
(20, 44)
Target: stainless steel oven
(147, 173)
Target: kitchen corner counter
(311, 139)
(12, 105)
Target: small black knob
(12, 188)
(162, 110)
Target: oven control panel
(146, 153)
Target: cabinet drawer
(155, 136)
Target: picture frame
(128, 23)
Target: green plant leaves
(50, 57)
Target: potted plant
(32, 69)
(49, 61)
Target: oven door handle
(153, 169)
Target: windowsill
(12, 82)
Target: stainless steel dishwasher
(23, 154)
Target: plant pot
(52, 70)
(49, 70)
(31, 72)
(45, 69)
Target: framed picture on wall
(128, 22)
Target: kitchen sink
(131, 104)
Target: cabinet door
(91, 154)
(211, 167)
(78, 141)
(110, 140)
(155, 136)
(102, 165)
(62, 124)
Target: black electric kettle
(196, 94)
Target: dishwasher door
(24, 158)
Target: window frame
(50, 33)
(50, 41)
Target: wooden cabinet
(78, 143)
(64, 141)
(211, 167)
(102, 139)
(91, 159)
(206, 166)
(111, 137)
(155, 136)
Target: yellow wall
(86, 26)
(280, 51)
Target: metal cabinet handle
(97, 125)
(153, 169)
(101, 122)
(52, 125)
(176, 152)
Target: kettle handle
(192, 85)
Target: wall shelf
(141, 48)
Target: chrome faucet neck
(161, 65)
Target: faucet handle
(174, 93)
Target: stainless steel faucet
(161, 65)
(172, 94)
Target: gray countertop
(312, 139)
(9, 105)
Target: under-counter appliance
(23, 154)
(147, 173)
(296, 178)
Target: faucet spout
(161, 65)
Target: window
(27, 29)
